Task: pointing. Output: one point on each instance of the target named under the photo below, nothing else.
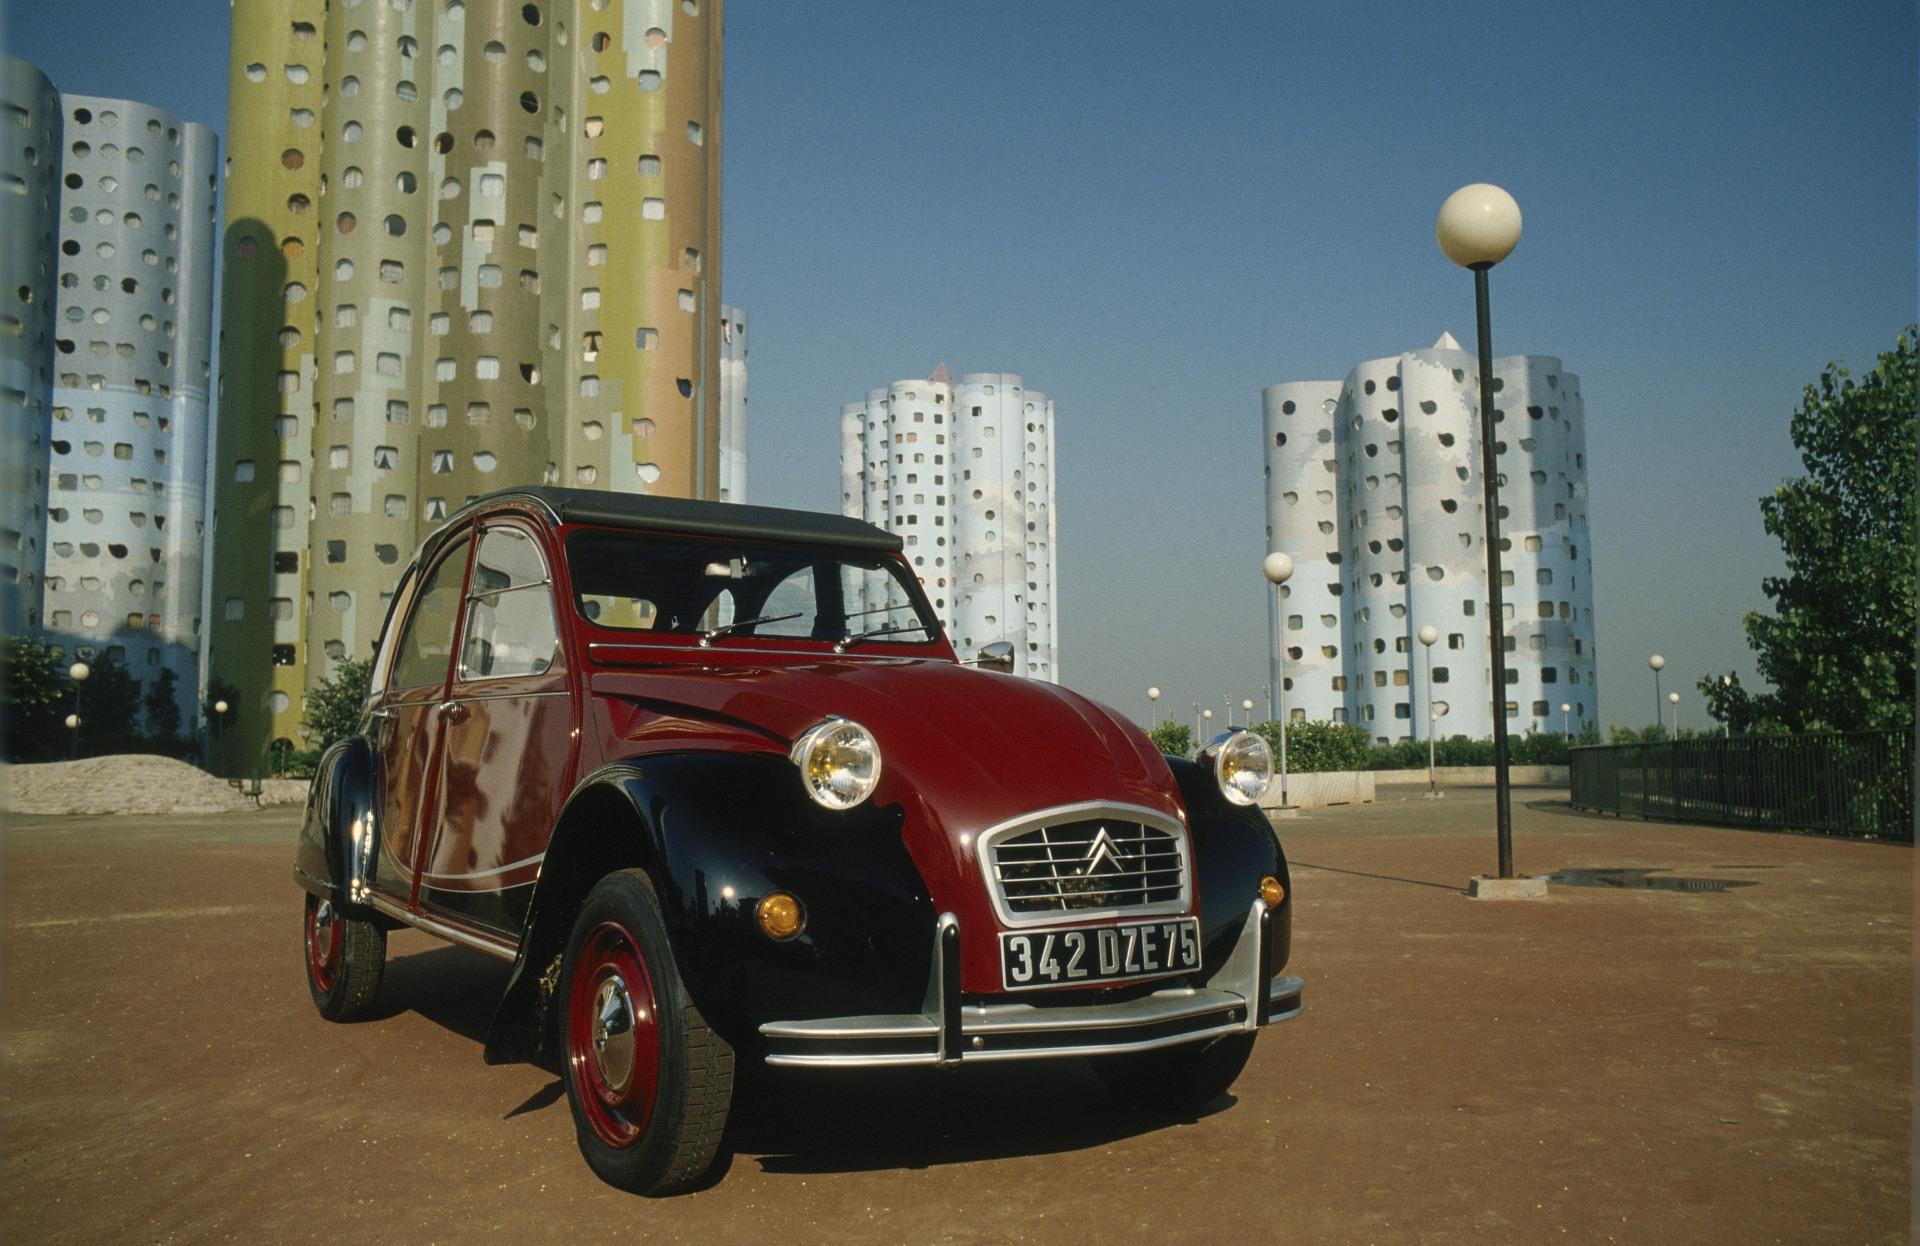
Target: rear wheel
(648, 1082)
(1175, 1078)
(345, 958)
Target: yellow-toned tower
(256, 651)
(512, 271)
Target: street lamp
(1153, 709)
(1566, 724)
(78, 672)
(1657, 664)
(219, 712)
(1673, 700)
(1427, 636)
(1478, 226)
(1246, 707)
(1278, 568)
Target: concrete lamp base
(1281, 811)
(1483, 887)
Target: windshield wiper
(854, 638)
(710, 635)
(856, 614)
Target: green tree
(1318, 747)
(38, 698)
(1172, 737)
(163, 704)
(1838, 647)
(334, 708)
(109, 708)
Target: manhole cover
(1643, 880)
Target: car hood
(961, 749)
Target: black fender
(334, 856)
(1234, 846)
(716, 832)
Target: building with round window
(132, 359)
(470, 244)
(29, 258)
(963, 472)
(1374, 488)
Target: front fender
(716, 832)
(1234, 846)
(334, 856)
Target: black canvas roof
(662, 514)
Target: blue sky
(1152, 211)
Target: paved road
(1610, 1065)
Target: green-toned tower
(469, 245)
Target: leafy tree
(334, 708)
(163, 704)
(1172, 737)
(1839, 645)
(109, 708)
(38, 698)
(1318, 747)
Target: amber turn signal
(1272, 892)
(780, 915)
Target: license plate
(1033, 959)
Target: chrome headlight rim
(832, 731)
(1222, 753)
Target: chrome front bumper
(1243, 995)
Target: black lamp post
(78, 672)
(1479, 226)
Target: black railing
(1856, 783)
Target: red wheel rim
(613, 1035)
(323, 944)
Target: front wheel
(345, 958)
(648, 1082)
(1176, 1078)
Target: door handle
(453, 711)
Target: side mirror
(997, 656)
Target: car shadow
(453, 987)
(804, 1122)
(876, 1120)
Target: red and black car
(714, 781)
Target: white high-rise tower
(1374, 489)
(963, 471)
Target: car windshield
(728, 587)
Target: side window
(426, 642)
(510, 626)
(390, 634)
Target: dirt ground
(1606, 1066)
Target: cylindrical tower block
(132, 349)
(30, 158)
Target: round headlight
(839, 763)
(1244, 765)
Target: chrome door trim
(452, 934)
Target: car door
(510, 745)
(407, 716)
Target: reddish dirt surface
(1607, 1065)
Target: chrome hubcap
(613, 1040)
(323, 929)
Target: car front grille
(1083, 865)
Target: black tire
(1176, 1078)
(660, 1138)
(345, 958)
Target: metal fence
(1857, 783)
